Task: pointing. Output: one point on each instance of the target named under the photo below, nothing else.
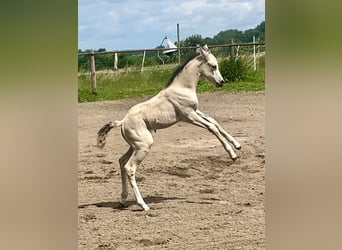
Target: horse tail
(102, 133)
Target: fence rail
(161, 49)
(115, 53)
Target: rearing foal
(176, 102)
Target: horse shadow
(119, 206)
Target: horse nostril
(220, 83)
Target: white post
(178, 44)
(115, 61)
(143, 61)
(254, 57)
(93, 71)
(258, 53)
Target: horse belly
(162, 116)
(162, 120)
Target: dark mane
(180, 68)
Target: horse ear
(205, 47)
(204, 51)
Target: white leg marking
(138, 196)
(131, 167)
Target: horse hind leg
(141, 146)
(130, 169)
(122, 161)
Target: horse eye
(214, 67)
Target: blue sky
(139, 24)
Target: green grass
(111, 86)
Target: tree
(193, 40)
(225, 37)
(261, 27)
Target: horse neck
(188, 78)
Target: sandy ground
(199, 197)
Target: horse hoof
(122, 205)
(238, 147)
(235, 158)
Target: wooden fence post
(115, 61)
(232, 54)
(254, 58)
(143, 61)
(258, 54)
(92, 71)
(178, 44)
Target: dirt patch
(199, 197)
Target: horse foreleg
(196, 119)
(229, 137)
(122, 161)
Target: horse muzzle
(219, 84)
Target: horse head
(210, 68)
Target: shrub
(233, 70)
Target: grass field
(112, 85)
